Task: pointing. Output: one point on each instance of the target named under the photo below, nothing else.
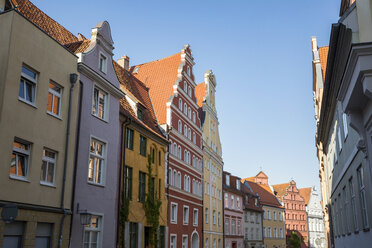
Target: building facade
(295, 212)
(233, 211)
(213, 164)
(98, 142)
(141, 138)
(273, 216)
(342, 129)
(172, 90)
(38, 107)
(315, 223)
(253, 237)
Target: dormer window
(238, 184)
(140, 114)
(227, 179)
(102, 63)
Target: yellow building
(273, 216)
(38, 77)
(213, 164)
(141, 137)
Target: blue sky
(260, 52)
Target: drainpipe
(121, 178)
(73, 78)
(81, 91)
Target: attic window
(140, 114)
(102, 63)
(238, 184)
(136, 70)
(227, 179)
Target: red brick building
(295, 212)
(172, 89)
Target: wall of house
(269, 242)
(24, 44)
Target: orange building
(295, 212)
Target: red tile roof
(266, 195)
(159, 76)
(136, 89)
(323, 55)
(281, 189)
(200, 93)
(306, 193)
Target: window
(189, 134)
(353, 206)
(185, 215)
(195, 217)
(152, 155)
(238, 202)
(102, 63)
(227, 178)
(226, 200)
(99, 103)
(13, 234)
(193, 117)
(170, 181)
(92, 233)
(239, 228)
(141, 186)
(185, 87)
(178, 180)
(275, 233)
(264, 232)
(190, 94)
(233, 228)
(238, 184)
(207, 243)
(174, 213)
(206, 215)
(159, 158)
(281, 233)
(160, 188)
(20, 159)
(346, 207)
(232, 202)
(179, 126)
(48, 167)
(274, 213)
(54, 99)
(362, 196)
(219, 219)
(280, 216)
(173, 241)
(140, 113)
(27, 85)
(185, 130)
(185, 108)
(96, 161)
(214, 217)
(189, 113)
(142, 147)
(344, 121)
(133, 234)
(129, 138)
(246, 233)
(269, 232)
(188, 70)
(194, 138)
(339, 139)
(227, 228)
(179, 152)
(128, 178)
(180, 104)
(175, 178)
(43, 235)
(268, 215)
(184, 241)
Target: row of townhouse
(91, 145)
(341, 88)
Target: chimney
(124, 62)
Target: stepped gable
(137, 90)
(281, 189)
(159, 76)
(266, 195)
(323, 55)
(306, 193)
(200, 93)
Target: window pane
(13, 169)
(92, 146)
(50, 102)
(22, 89)
(56, 105)
(21, 166)
(50, 173)
(91, 167)
(29, 92)
(28, 72)
(43, 171)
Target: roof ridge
(158, 60)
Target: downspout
(73, 78)
(121, 179)
(76, 153)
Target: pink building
(233, 211)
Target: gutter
(73, 78)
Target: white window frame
(104, 64)
(95, 156)
(105, 107)
(49, 160)
(99, 230)
(26, 78)
(55, 94)
(193, 117)
(180, 126)
(344, 121)
(23, 152)
(214, 217)
(362, 196)
(174, 220)
(206, 216)
(186, 219)
(173, 245)
(185, 245)
(197, 217)
(180, 104)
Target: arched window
(199, 188)
(188, 70)
(193, 117)
(185, 108)
(179, 179)
(180, 104)
(190, 91)
(179, 152)
(174, 177)
(193, 186)
(170, 176)
(189, 112)
(170, 147)
(179, 126)
(189, 134)
(185, 156)
(185, 87)
(185, 130)
(185, 182)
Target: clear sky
(260, 52)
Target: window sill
(27, 102)
(96, 184)
(23, 179)
(185, 224)
(173, 222)
(99, 118)
(54, 115)
(48, 184)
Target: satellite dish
(9, 213)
